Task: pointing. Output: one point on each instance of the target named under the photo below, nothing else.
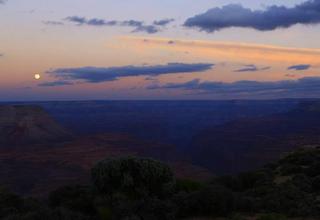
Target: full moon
(37, 76)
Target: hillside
(140, 188)
(38, 155)
(250, 143)
(170, 122)
(27, 124)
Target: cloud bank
(163, 22)
(103, 74)
(273, 17)
(300, 67)
(55, 83)
(53, 23)
(139, 26)
(252, 68)
(304, 87)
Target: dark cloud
(92, 22)
(299, 67)
(3, 1)
(286, 88)
(187, 85)
(55, 83)
(103, 74)
(163, 22)
(150, 29)
(139, 26)
(252, 68)
(53, 23)
(273, 17)
(1, 54)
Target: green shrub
(187, 185)
(76, 198)
(134, 177)
(209, 201)
(135, 188)
(10, 203)
(272, 217)
(316, 183)
(48, 214)
(237, 217)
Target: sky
(155, 50)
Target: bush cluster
(145, 189)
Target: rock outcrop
(24, 125)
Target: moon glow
(37, 76)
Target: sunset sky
(168, 49)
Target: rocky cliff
(23, 125)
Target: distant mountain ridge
(38, 155)
(249, 143)
(28, 124)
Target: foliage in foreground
(137, 188)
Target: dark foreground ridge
(140, 188)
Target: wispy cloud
(55, 83)
(252, 68)
(273, 17)
(139, 26)
(304, 87)
(234, 51)
(150, 29)
(53, 23)
(300, 67)
(163, 22)
(103, 74)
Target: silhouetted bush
(76, 198)
(272, 217)
(13, 204)
(48, 214)
(133, 177)
(209, 201)
(135, 188)
(144, 189)
(187, 185)
(316, 183)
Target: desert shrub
(48, 214)
(244, 181)
(133, 177)
(290, 200)
(316, 183)
(148, 208)
(76, 198)
(289, 169)
(247, 204)
(187, 185)
(237, 217)
(303, 182)
(314, 169)
(10, 203)
(209, 201)
(272, 217)
(231, 182)
(134, 188)
(251, 179)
